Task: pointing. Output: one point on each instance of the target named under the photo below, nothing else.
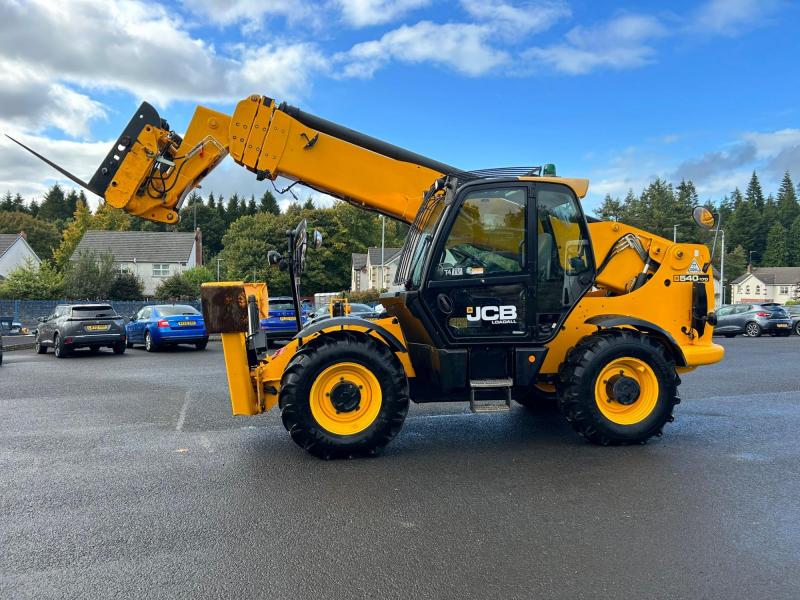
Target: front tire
(797, 328)
(39, 347)
(345, 396)
(59, 348)
(752, 329)
(618, 387)
(201, 345)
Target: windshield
(177, 310)
(418, 240)
(281, 304)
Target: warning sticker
(694, 267)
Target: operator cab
(490, 270)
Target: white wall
(144, 271)
(15, 257)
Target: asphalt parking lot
(128, 477)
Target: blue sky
(620, 92)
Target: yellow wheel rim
(640, 408)
(337, 406)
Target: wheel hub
(623, 389)
(345, 397)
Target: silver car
(752, 320)
(72, 326)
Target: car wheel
(129, 344)
(119, 348)
(149, 345)
(42, 349)
(730, 335)
(797, 328)
(94, 348)
(752, 329)
(60, 349)
(201, 345)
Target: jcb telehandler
(505, 290)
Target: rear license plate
(287, 318)
(97, 327)
(184, 323)
(783, 324)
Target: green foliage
(41, 236)
(776, 252)
(176, 287)
(125, 286)
(269, 204)
(793, 244)
(365, 297)
(610, 210)
(788, 208)
(210, 223)
(72, 235)
(89, 276)
(197, 276)
(29, 282)
(54, 205)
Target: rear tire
(149, 344)
(797, 328)
(59, 348)
(752, 329)
(732, 335)
(373, 397)
(638, 405)
(39, 347)
(201, 345)
(119, 348)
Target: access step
(486, 386)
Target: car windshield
(360, 308)
(281, 304)
(99, 310)
(177, 310)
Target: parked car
(362, 311)
(794, 315)
(10, 327)
(281, 323)
(159, 325)
(752, 320)
(72, 326)
(1, 347)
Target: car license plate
(184, 323)
(287, 318)
(97, 327)
(783, 324)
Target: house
(150, 255)
(767, 284)
(366, 269)
(15, 252)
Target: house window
(747, 290)
(160, 270)
(784, 289)
(758, 289)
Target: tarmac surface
(127, 477)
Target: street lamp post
(721, 270)
(218, 261)
(383, 239)
(675, 233)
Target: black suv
(73, 326)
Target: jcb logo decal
(492, 314)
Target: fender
(342, 323)
(606, 321)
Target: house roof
(773, 275)
(359, 260)
(389, 254)
(6, 241)
(144, 246)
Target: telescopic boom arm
(150, 169)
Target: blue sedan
(161, 325)
(281, 323)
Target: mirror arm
(714, 245)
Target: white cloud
(465, 48)
(250, 12)
(522, 19)
(140, 48)
(730, 17)
(362, 13)
(624, 42)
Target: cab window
(487, 237)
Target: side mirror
(132, 319)
(703, 217)
(273, 257)
(316, 239)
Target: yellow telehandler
(504, 291)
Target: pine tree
(251, 206)
(33, 209)
(54, 207)
(7, 203)
(742, 227)
(212, 202)
(221, 208)
(776, 252)
(268, 204)
(308, 204)
(793, 244)
(610, 209)
(754, 193)
(788, 209)
(234, 209)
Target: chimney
(198, 247)
(23, 235)
(749, 267)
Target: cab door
(480, 285)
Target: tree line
(238, 233)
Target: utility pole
(721, 270)
(194, 211)
(383, 239)
(675, 233)
(218, 261)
